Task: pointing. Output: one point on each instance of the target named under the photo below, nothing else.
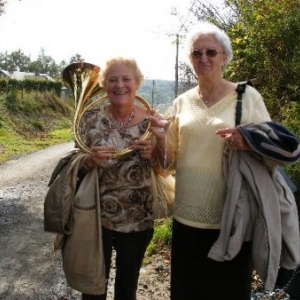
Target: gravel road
(28, 268)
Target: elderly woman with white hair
(203, 127)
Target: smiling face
(207, 57)
(121, 84)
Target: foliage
(291, 117)
(77, 57)
(44, 64)
(161, 237)
(30, 85)
(17, 59)
(32, 122)
(188, 77)
(266, 43)
(2, 3)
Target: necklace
(202, 97)
(214, 92)
(206, 101)
(127, 122)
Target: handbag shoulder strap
(241, 87)
(238, 115)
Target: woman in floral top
(124, 182)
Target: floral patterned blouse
(124, 183)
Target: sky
(97, 30)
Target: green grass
(13, 145)
(161, 238)
(32, 122)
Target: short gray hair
(204, 28)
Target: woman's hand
(144, 147)
(234, 138)
(159, 124)
(99, 155)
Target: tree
(266, 42)
(45, 65)
(14, 61)
(76, 58)
(2, 3)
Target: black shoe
(283, 277)
(293, 286)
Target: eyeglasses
(208, 53)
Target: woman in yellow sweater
(196, 140)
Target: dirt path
(28, 268)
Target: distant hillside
(163, 91)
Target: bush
(161, 238)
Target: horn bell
(84, 80)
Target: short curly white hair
(204, 28)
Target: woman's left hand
(159, 125)
(144, 147)
(234, 138)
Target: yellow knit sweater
(200, 184)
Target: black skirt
(195, 276)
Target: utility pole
(153, 85)
(176, 65)
(174, 13)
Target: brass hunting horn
(84, 80)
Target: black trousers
(130, 250)
(196, 277)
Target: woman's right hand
(99, 155)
